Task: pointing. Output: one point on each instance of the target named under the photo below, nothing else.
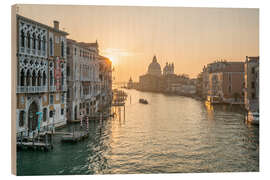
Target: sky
(131, 36)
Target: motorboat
(143, 101)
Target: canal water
(172, 134)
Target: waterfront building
(182, 89)
(83, 71)
(224, 80)
(252, 83)
(105, 77)
(168, 82)
(41, 76)
(89, 79)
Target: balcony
(64, 88)
(52, 88)
(32, 89)
(22, 49)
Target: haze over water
(172, 134)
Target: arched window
(34, 78)
(44, 114)
(44, 43)
(39, 42)
(21, 118)
(28, 40)
(44, 78)
(34, 41)
(51, 47)
(62, 78)
(28, 78)
(62, 48)
(22, 78)
(51, 114)
(39, 79)
(51, 78)
(22, 38)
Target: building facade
(89, 79)
(252, 83)
(224, 80)
(41, 76)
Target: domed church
(154, 68)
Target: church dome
(154, 68)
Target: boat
(213, 99)
(253, 117)
(143, 101)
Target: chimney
(56, 24)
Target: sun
(113, 59)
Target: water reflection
(170, 134)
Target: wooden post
(124, 112)
(51, 138)
(21, 137)
(46, 139)
(87, 124)
(33, 138)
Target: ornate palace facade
(41, 76)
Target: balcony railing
(64, 88)
(32, 89)
(22, 49)
(52, 88)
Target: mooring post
(21, 137)
(46, 139)
(33, 138)
(124, 112)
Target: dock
(74, 137)
(42, 141)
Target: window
(62, 111)
(253, 95)
(44, 114)
(44, 78)
(230, 89)
(67, 50)
(75, 51)
(253, 70)
(22, 78)
(39, 42)
(68, 69)
(51, 114)
(44, 43)
(51, 78)
(34, 41)
(252, 84)
(51, 99)
(28, 40)
(22, 38)
(51, 47)
(34, 78)
(62, 49)
(63, 98)
(21, 118)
